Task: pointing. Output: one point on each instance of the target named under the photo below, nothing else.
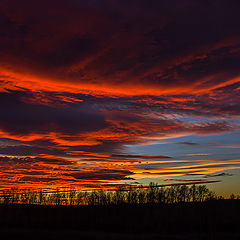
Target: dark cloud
(22, 118)
(31, 179)
(114, 44)
(34, 161)
(103, 174)
(218, 175)
(189, 181)
(126, 156)
(188, 143)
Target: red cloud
(79, 80)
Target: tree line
(153, 194)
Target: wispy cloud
(189, 143)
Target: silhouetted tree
(150, 195)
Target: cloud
(183, 180)
(218, 175)
(189, 143)
(81, 80)
(178, 184)
(197, 154)
(45, 119)
(159, 48)
(40, 171)
(190, 181)
(103, 174)
(229, 146)
(134, 156)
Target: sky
(95, 94)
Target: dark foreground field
(207, 220)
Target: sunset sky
(96, 93)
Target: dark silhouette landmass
(122, 195)
(208, 218)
